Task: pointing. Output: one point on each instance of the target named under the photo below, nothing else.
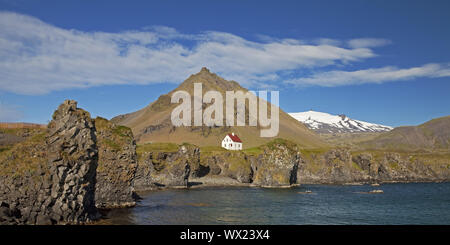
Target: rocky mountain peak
(209, 81)
(65, 108)
(204, 70)
(153, 122)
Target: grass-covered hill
(433, 135)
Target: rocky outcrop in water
(274, 165)
(50, 178)
(397, 167)
(234, 165)
(281, 163)
(117, 165)
(166, 169)
(64, 173)
(277, 166)
(330, 167)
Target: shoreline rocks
(117, 165)
(276, 166)
(342, 166)
(56, 181)
(65, 173)
(281, 164)
(166, 169)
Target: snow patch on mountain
(322, 122)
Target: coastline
(309, 204)
(224, 182)
(79, 165)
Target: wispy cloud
(36, 57)
(368, 42)
(378, 75)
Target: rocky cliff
(64, 173)
(229, 164)
(117, 165)
(275, 164)
(50, 178)
(341, 166)
(166, 169)
(281, 163)
(278, 165)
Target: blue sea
(412, 203)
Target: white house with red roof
(232, 142)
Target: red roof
(234, 138)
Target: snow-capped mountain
(326, 123)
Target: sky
(384, 62)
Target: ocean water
(413, 203)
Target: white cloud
(328, 41)
(9, 113)
(36, 57)
(367, 42)
(378, 75)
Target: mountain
(153, 124)
(432, 135)
(322, 122)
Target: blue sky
(386, 62)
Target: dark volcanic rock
(278, 165)
(236, 165)
(50, 178)
(364, 161)
(73, 156)
(281, 163)
(117, 165)
(340, 166)
(157, 169)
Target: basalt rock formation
(281, 163)
(50, 178)
(278, 165)
(168, 169)
(63, 174)
(275, 164)
(117, 165)
(234, 165)
(341, 166)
